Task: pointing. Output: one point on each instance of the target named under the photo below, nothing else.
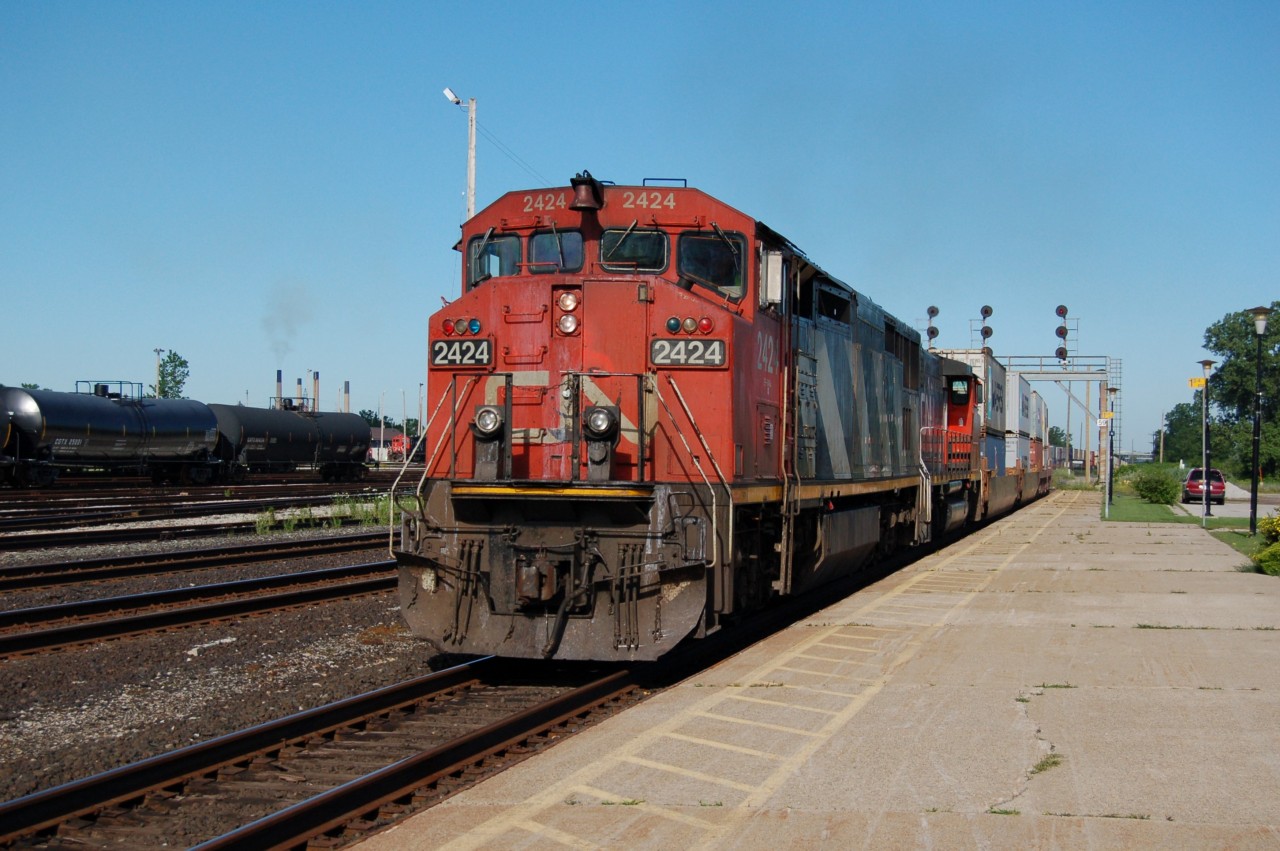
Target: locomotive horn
(588, 193)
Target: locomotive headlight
(600, 423)
(488, 421)
(568, 323)
(568, 301)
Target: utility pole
(158, 352)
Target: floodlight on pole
(471, 147)
(1111, 443)
(158, 353)
(1260, 315)
(1205, 487)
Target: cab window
(633, 250)
(714, 261)
(491, 256)
(555, 251)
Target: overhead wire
(506, 151)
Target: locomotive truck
(650, 414)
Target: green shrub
(1269, 528)
(1156, 485)
(1269, 560)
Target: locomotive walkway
(1050, 682)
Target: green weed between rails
(360, 511)
(265, 521)
(1002, 812)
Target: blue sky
(279, 185)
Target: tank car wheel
(41, 477)
(198, 475)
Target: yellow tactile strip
(735, 747)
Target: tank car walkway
(1051, 682)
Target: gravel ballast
(70, 714)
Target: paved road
(1237, 504)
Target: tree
(1231, 387)
(1057, 437)
(173, 373)
(26, 385)
(372, 418)
(1183, 434)
(1232, 390)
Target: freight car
(261, 440)
(172, 440)
(47, 431)
(651, 414)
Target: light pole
(419, 428)
(158, 353)
(1206, 513)
(1111, 443)
(1260, 315)
(471, 147)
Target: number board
(465, 352)
(664, 351)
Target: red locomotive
(649, 414)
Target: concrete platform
(1051, 682)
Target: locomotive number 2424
(461, 352)
(669, 352)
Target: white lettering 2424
(544, 201)
(649, 200)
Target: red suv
(1193, 487)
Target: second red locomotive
(650, 414)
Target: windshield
(633, 250)
(555, 251)
(714, 261)
(492, 256)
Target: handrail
(391, 518)
(715, 538)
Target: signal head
(932, 311)
(986, 311)
(1061, 311)
(1061, 331)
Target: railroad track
(350, 766)
(45, 628)
(129, 534)
(70, 514)
(29, 577)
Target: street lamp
(158, 353)
(1260, 315)
(1111, 443)
(471, 147)
(1206, 512)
